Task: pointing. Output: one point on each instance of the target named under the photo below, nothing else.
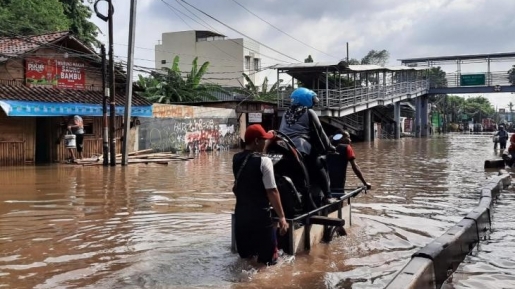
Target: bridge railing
(338, 99)
(490, 79)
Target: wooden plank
(136, 161)
(140, 152)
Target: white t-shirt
(267, 168)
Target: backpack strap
(239, 171)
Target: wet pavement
(155, 226)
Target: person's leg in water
(80, 145)
(71, 155)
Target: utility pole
(105, 135)
(112, 107)
(347, 52)
(128, 87)
(108, 93)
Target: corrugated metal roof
(350, 68)
(8, 92)
(14, 46)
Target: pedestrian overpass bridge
(353, 96)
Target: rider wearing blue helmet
(301, 124)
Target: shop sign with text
(55, 73)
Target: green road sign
(472, 79)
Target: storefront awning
(36, 108)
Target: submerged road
(169, 226)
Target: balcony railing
(340, 99)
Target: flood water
(155, 226)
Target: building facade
(44, 81)
(228, 58)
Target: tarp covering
(36, 108)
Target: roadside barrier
(434, 263)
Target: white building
(228, 58)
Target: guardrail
(430, 267)
(338, 99)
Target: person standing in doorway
(337, 162)
(255, 189)
(77, 128)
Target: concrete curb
(434, 263)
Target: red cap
(256, 131)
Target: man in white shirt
(255, 189)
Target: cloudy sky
(406, 28)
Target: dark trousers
(256, 239)
(503, 144)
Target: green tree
(309, 59)
(436, 77)
(32, 17)
(511, 75)
(257, 93)
(171, 87)
(79, 15)
(29, 17)
(376, 57)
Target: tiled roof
(24, 93)
(13, 46)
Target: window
(163, 61)
(256, 64)
(88, 125)
(247, 62)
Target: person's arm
(272, 193)
(275, 200)
(357, 171)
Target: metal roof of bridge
(341, 66)
(491, 56)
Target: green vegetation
(32, 17)
(460, 108)
(255, 93)
(171, 87)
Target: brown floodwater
(155, 226)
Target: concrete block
(449, 250)
(482, 218)
(417, 274)
(492, 185)
(485, 202)
(505, 178)
(486, 193)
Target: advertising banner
(66, 74)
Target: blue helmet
(303, 97)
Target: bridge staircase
(353, 123)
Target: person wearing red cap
(255, 189)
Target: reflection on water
(169, 226)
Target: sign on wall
(255, 117)
(66, 74)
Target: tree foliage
(29, 17)
(474, 108)
(376, 57)
(259, 93)
(79, 15)
(436, 77)
(511, 75)
(171, 87)
(32, 17)
(309, 59)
